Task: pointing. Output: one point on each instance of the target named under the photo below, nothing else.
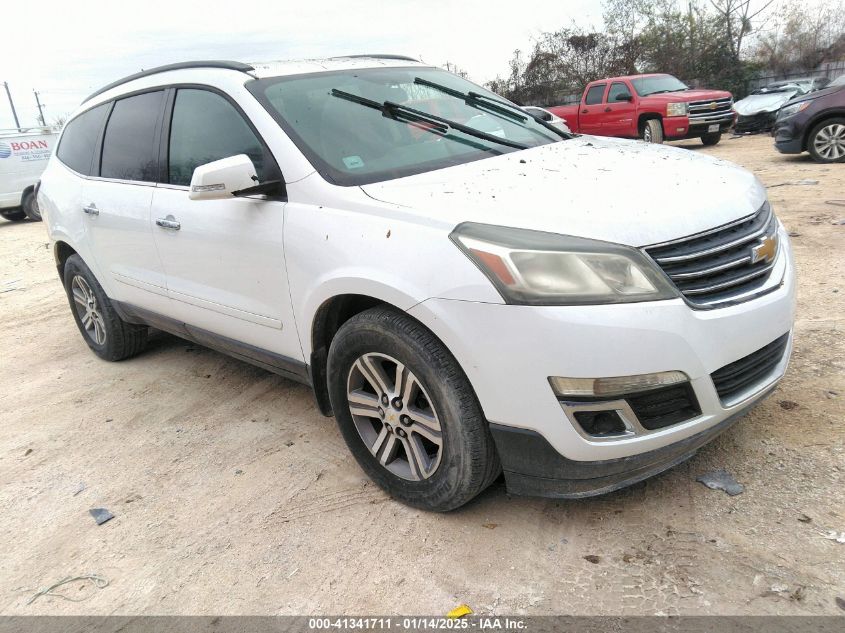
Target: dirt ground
(233, 495)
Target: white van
(23, 156)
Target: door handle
(91, 209)
(584, 111)
(608, 109)
(168, 223)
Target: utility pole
(12, 103)
(40, 111)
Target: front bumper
(509, 351)
(788, 136)
(681, 127)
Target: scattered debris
(794, 234)
(239, 472)
(98, 581)
(490, 526)
(795, 182)
(838, 222)
(840, 602)
(101, 515)
(289, 443)
(79, 488)
(458, 612)
(836, 203)
(592, 558)
(789, 405)
(721, 480)
(833, 535)
(804, 518)
(27, 452)
(388, 234)
(290, 575)
(831, 394)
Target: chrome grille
(714, 266)
(711, 111)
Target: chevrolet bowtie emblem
(712, 105)
(765, 250)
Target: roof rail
(403, 58)
(239, 66)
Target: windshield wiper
(482, 101)
(422, 119)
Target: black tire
(711, 138)
(652, 131)
(468, 462)
(813, 137)
(121, 340)
(13, 215)
(30, 207)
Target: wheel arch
(27, 190)
(61, 253)
(648, 116)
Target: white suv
(466, 288)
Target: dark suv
(814, 122)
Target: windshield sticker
(353, 162)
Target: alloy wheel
(830, 142)
(88, 310)
(395, 416)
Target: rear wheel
(711, 138)
(408, 412)
(653, 131)
(13, 215)
(826, 142)
(108, 336)
(30, 207)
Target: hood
(816, 94)
(627, 192)
(689, 95)
(754, 104)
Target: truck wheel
(30, 207)
(108, 336)
(408, 413)
(711, 138)
(826, 142)
(13, 215)
(653, 131)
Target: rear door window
(130, 144)
(206, 127)
(594, 94)
(76, 149)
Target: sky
(67, 50)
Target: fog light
(608, 387)
(601, 423)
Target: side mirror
(222, 179)
(624, 97)
(544, 116)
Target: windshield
(350, 144)
(660, 83)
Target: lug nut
(401, 432)
(381, 413)
(389, 428)
(384, 399)
(405, 420)
(397, 403)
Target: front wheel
(408, 412)
(711, 138)
(30, 207)
(652, 131)
(826, 142)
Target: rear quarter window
(76, 149)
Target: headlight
(792, 110)
(537, 268)
(677, 109)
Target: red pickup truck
(651, 107)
